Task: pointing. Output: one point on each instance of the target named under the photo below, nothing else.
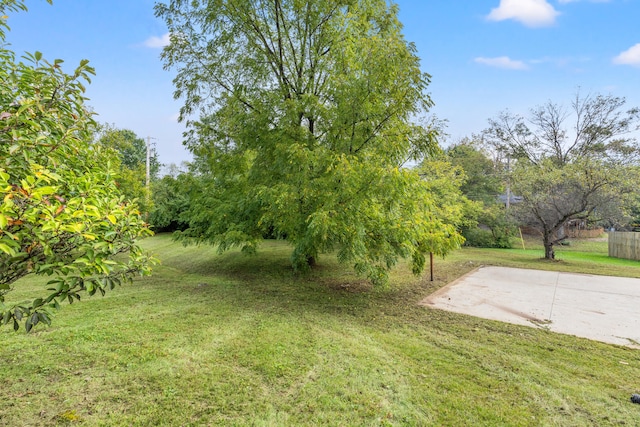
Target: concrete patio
(602, 308)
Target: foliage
(304, 127)
(562, 172)
(131, 149)
(171, 199)
(483, 183)
(484, 178)
(479, 237)
(444, 182)
(131, 152)
(495, 231)
(61, 213)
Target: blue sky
(484, 56)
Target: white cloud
(532, 13)
(630, 56)
(502, 62)
(157, 42)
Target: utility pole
(508, 181)
(148, 163)
(148, 181)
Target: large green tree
(61, 214)
(570, 163)
(305, 121)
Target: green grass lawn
(241, 341)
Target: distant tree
(60, 211)
(131, 149)
(131, 152)
(484, 179)
(633, 222)
(483, 183)
(171, 200)
(571, 171)
(305, 123)
(579, 190)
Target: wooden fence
(624, 245)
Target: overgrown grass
(233, 340)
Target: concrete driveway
(601, 308)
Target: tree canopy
(131, 149)
(484, 179)
(569, 163)
(306, 117)
(600, 128)
(61, 214)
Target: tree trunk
(549, 252)
(548, 246)
(311, 261)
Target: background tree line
(557, 165)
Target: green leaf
(6, 249)
(44, 318)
